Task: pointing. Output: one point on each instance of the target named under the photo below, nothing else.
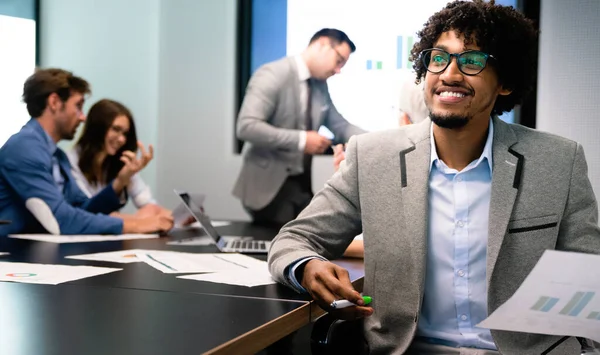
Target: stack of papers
(48, 274)
(49, 238)
(227, 268)
(561, 296)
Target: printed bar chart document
(561, 296)
(48, 274)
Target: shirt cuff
(291, 273)
(302, 141)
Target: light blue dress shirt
(455, 294)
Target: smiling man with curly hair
(456, 210)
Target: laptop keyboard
(247, 244)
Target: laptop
(226, 244)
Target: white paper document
(247, 277)
(175, 262)
(49, 238)
(48, 274)
(3, 253)
(561, 296)
(120, 256)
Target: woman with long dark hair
(108, 140)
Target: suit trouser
(293, 196)
(420, 347)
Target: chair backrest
(42, 212)
(332, 336)
(589, 346)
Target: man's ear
(504, 92)
(53, 102)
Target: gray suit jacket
(270, 121)
(541, 199)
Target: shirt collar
(487, 149)
(52, 147)
(303, 72)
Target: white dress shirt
(455, 294)
(303, 76)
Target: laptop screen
(200, 216)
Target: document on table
(246, 277)
(49, 238)
(171, 262)
(561, 296)
(48, 274)
(120, 256)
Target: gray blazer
(541, 199)
(270, 121)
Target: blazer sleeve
(29, 175)
(326, 227)
(341, 128)
(259, 104)
(579, 229)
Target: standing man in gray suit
(455, 210)
(286, 102)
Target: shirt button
(461, 273)
(459, 178)
(460, 224)
(463, 317)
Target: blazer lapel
(414, 174)
(506, 178)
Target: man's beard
(449, 121)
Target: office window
(18, 47)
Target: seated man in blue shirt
(33, 168)
(455, 210)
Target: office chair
(41, 211)
(589, 346)
(332, 336)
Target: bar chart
(404, 45)
(573, 308)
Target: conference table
(140, 310)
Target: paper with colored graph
(561, 296)
(120, 256)
(48, 274)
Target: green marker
(339, 304)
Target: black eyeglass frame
(424, 53)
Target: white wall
(114, 45)
(568, 102)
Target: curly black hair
(498, 30)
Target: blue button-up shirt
(455, 297)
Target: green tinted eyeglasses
(469, 62)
